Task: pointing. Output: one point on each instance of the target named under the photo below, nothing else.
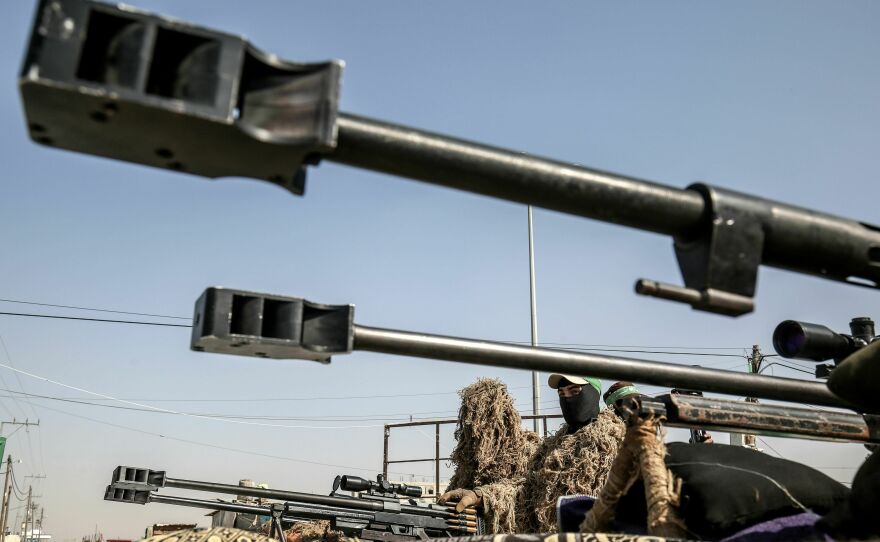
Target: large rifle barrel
(514, 176)
(795, 238)
(496, 354)
(295, 511)
(280, 495)
(238, 508)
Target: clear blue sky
(780, 100)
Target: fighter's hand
(463, 497)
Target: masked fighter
(500, 467)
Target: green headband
(595, 382)
(622, 392)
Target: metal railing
(437, 459)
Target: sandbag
(857, 517)
(728, 488)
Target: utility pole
(27, 510)
(25, 423)
(754, 363)
(41, 522)
(536, 389)
(33, 518)
(32, 506)
(754, 367)
(4, 504)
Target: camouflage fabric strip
(228, 534)
(217, 534)
(561, 537)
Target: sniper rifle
(376, 513)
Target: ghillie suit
(518, 478)
(313, 531)
(563, 465)
(307, 531)
(216, 534)
(491, 444)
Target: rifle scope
(814, 342)
(356, 483)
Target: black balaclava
(581, 409)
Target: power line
(16, 488)
(793, 368)
(573, 346)
(279, 399)
(94, 319)
(5, 385)
(272, 399)
(400, 416)
(213, 446)
(364, 417)
(767, 444)
(374, 417)
(21, 387)
(169, 411)
(93, 309)
(150, 408)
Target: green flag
(2, 447)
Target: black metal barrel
(496, 354)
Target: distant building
(35, 535)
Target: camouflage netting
(491, 444)
(313, 531)
(301, 532)
(216, 534)
(307, 531)
(502, 504)
(570, 465)
(519, 477)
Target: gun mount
(120, 83)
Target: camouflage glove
(463, 497)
